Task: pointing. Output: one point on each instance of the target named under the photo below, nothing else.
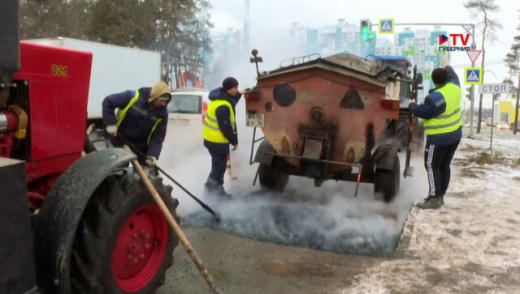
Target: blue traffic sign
(473, 75)
(386, 26)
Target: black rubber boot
(213, 188)
(222, 193)
(431, 203)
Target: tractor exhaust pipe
(9, 47)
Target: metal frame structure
(466, 27)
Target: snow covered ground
(471, 244)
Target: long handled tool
(173, 224)
(204, 205)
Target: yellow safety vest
(448, 121)
(121, 114)
(210, 130)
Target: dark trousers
(437, 160)
(219, 153)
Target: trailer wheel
(123, 243)
(401, 133)
(386, 183)
(272, 177)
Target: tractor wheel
(272, 177)
(123, 243)
(386, 183)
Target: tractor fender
(385, 156)
(261, 155)
(61, 212)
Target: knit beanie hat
(229, 83)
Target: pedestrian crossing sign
(386, 26)
(473, 75)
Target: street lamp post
(515, 127)
(492, 120)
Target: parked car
(186, 114)
(503, 126)
(188, 106)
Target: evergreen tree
(53, 18)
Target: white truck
(114, 69)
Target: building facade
(421, 47)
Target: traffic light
(469, 93)
(366, 31)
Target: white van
(186, 115)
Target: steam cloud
(327, 218)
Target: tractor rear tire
(123, 243)
(386, 182)
(272, 178)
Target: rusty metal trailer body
(331, 118)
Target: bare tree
(512, 61)
(480, 10)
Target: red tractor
(71, 223)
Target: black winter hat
(439, 76)
(229, 83)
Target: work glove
(151, 160)
(406, 103)
(243, 90)
(112, 130)
(444, 61)
(235, 147)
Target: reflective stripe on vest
(121, 114)
(153, 129)
(210, 129)
(448, 121)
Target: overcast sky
(269, 16)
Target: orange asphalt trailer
(333, 118)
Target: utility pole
(473, 47)
(247, 25)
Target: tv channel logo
(444, 42)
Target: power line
(491, 62)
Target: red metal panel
(58, 94)
(6, 142)
(41, 168)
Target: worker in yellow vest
(442, 126)
(219, 131)
(141, 118)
